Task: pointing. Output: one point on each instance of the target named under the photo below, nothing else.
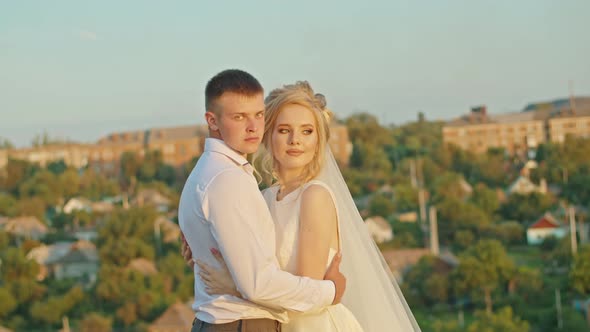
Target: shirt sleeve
(243, 228)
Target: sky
(81, 70)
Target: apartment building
(178, 146)
(519, 131)
(340, 143)
(3, 158)
(74, 154)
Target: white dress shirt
(221, 207)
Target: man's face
(238, 121)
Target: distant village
(516, 134)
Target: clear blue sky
(82, 69)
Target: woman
(315, 217)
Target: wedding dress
(285, 213)
(372, 298)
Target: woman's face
(294, 138)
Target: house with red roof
(546, 226)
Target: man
(221, 207)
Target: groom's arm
(243, 228)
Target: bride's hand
(217, 281)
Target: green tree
(503, 321)
(482, 269)
(131, 294)
(4, 241)
(18, 276)
(508, 232)
(149, 166)
(405, 197)
(94, 322)
(525, 281)
(463, 239)
(166, 174)
(33, 206)
(492, 169)
(449, 185)
(95, 186)
(558, 162)
(57, 167)
(580, 272)
(7, 302)
(485, 198)
(120, 251)
(52, 310)
(8, 205)
(455, 215)
(445, 326)
(15, 266)
(16, 171)
(127, 234)
(44, 185)
(127, 313)
(176, 274)
(419, 138)
(364, 127)
(70, 183)
(577, 189)
(381, 205)
(526, 208)
(427, 283)
(130, 164)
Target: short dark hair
(230, 80)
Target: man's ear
(211, 121)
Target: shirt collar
(219, 146)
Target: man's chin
(251, 151)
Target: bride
(315, 218)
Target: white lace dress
(285, 214)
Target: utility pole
(558, 305)
(582, 230)
(434, 247)
(572, 98)
(574, 240)
(419, 172)
(65, 321)
(158, 237)
(413, 173)
(422, 202)
(461, 318)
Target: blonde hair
(301, 94)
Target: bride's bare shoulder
(316, 194)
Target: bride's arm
(317, 230)
(217, 281)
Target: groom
(221, 207)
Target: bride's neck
(288, 182)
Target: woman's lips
(294, 152)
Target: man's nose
(252, 126)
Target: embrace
(296, 257)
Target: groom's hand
(186, 252)
(333, 273)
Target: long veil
(372, 294)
